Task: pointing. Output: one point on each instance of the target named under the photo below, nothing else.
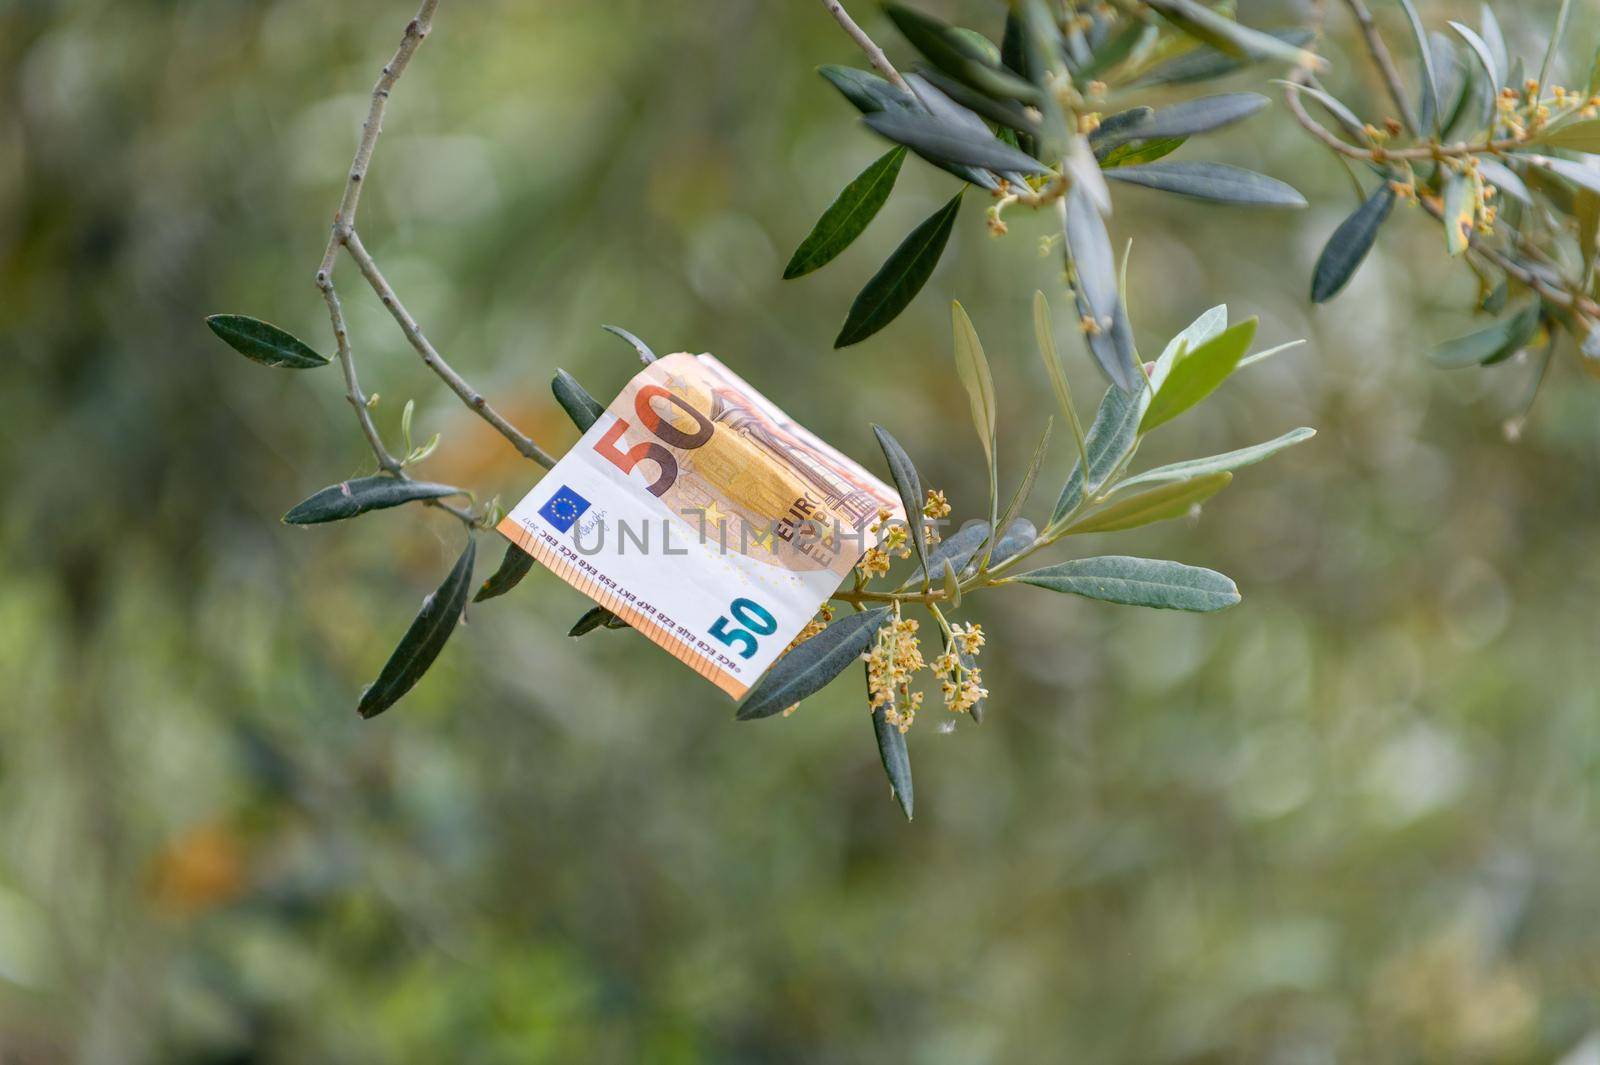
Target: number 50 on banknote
(703, 516)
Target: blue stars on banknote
(564, 508)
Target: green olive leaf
(646, 356)
(1349, 245)
(1094, 285)
(955, 52)
(941, 141)
(958, 549)
(1577, 173)
(1019, 498)
(1505, 179)
(1109, 440)
(1480, 48)
(909, 485)
(1007, 113)
(1196, 375)
(423, 641)
(1207, 325)
(1580, 136)
(1135, 152)
(972, 367)
(866, 90)
(847, 217)
(514, 566)
(1119, 126)
(1138, 582)
(1020, 535)
(1044, 338)
(952, 585)
(1134, 40)
(1215, 182)
(580, 406)
(1228, 460)
(1158, 504)
(1205, 63)
(1201, 115)
(265, 343)
(595, 618)
(1493, 37)
(1556, 35)
(1331, 104)
(361, 494)
(900, 278)
(1227, 36)
(895, 757)
(1491, 344)
(1430, 79)
(807, 668)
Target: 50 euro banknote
(703, 516)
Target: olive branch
(1020, 121)
(1501, 157)
(391, 485)
(1503, 161)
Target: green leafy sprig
(1503, 160)
(1101, 494)
(1042, 115)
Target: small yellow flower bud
(875, 563)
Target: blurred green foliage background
(1354, 819)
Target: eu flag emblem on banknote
(564, 508)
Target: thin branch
(1459, 150)
(1578, 303)
(435, 362)
(344, 219)
(352, 386)
(1385, 63)
(358, 400)
(1555, 294)
(874, 54)
(342, 235)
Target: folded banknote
(705, 517)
